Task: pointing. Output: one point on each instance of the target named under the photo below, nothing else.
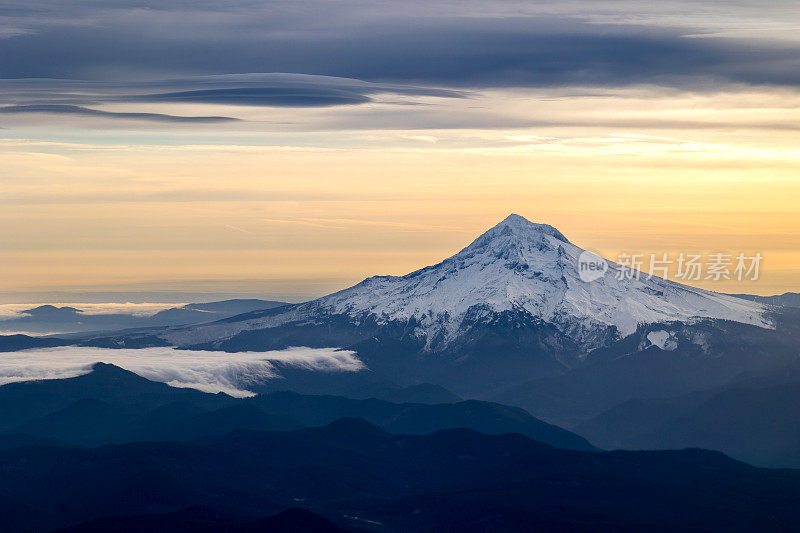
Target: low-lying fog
(208, 371)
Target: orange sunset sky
(111, 183)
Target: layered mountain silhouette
(191, 461)
(112, 405)
(356, 475)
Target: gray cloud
(73, 110)
(80, 98)
(290, 91)
(505, 44)
(261, 96)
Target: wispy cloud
(269, 90)
(73, 110)
(231, 373)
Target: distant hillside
(754, 420)
(13, 343)
(52, 319)
(787, 299)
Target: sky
(154, 151)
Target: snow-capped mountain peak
(524, 266)
(527, 269)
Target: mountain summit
(518, 270)
(519, 227)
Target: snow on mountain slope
(515, 266)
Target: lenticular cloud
(231, 373)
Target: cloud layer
(501, 44)
(231, 373)
(148, 61)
